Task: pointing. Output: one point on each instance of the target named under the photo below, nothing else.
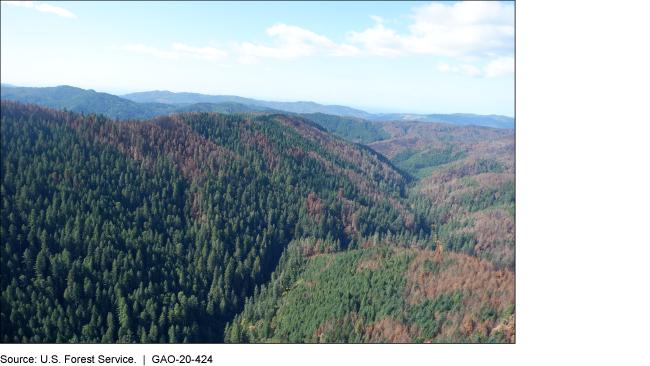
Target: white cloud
(467, 31)
(205, 53)
(292, 42)
(464, 30)
(444, 67)
(181, 52)
(467, 70)
(503, 66)
(378, 19)
(43, 7)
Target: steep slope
(472, 199)
(385, 293)
(191, 227)
(158, 231)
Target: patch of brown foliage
(486, 285)
(262, 143)
(314, 207)
(415, 135)
(465, 168)
(465, 273)
(366, 187)
(448, 184)
(166, 135)
(142, 141)
(388, 328)
(489, 226)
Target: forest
(87, 101)
(248, 227)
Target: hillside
(295, 107)
(415, 135)
(464, 183)
(459, 119)
(454, 284)
(81, 100)
(87, 101)
(345, 121)
(392, 291)
(350, 128)
(173, 229)
(225, 108)
(182, 215)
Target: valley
(239, 223)
(219, 173)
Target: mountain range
(157, 103)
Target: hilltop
(151, 104)
(87, 101)
(190, 98)
(461, 119)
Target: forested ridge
(194, 227)
(87, 101)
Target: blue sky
(418, 57)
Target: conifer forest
(254, 227)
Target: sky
(381, 57)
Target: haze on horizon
(411, 57)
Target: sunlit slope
(88, 101)
(386, 293)
(158, 231)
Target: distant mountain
(81, 100)
(459, 119)
(296, 107)
(225, 108)
(151, 104)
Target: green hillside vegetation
(292, 107)
(422, 162)
(459, 119)
(472, 202)
(139, 232)
(467, 119)
(191, 227)
(225, 108)
(87, 101)
(381, 294)
(351, 129)
(80, 100)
